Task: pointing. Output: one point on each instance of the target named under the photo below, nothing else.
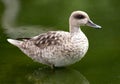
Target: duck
(58, 48)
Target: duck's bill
(91, 24)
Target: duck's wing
(51, 38)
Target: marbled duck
(58, 48)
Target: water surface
(21, 18)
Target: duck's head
(80, 18)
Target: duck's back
(51, 38)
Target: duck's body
(57, 48)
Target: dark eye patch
(78, 16)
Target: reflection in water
(59, 76)
(12, 8)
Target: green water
(101, 65)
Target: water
(21, 18)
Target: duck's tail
(15, 42)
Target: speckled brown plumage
(58, 48)
(48, 39)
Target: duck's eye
(79, 16)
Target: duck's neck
(74, 29)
